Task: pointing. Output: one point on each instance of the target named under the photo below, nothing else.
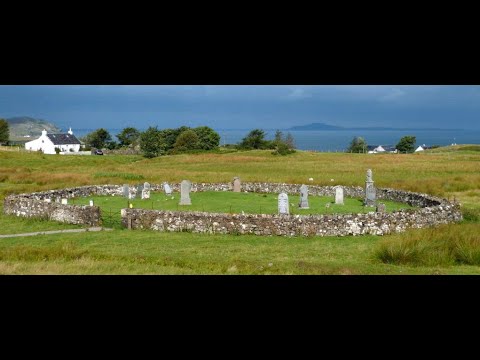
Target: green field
(449, 173)
(231, 203)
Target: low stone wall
(288, 225)
(432, 211)
(72, 214)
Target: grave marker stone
(139, 190)
(167, 189)
(91, 202)
(237, 186)
(185, 188)
(64, 201)
(370, 191)
(146, 191)
(303, 197)
(126, 191)
(339, 195)
(283, 207)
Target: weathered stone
(167, 189)
(370, 191)
(339, 195)
(237, 187)
(185, 188)
(381, 208)
(303, 197)
(126, 191)
(283, 207)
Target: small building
(375, 149)
(422, 148)
(48, 142)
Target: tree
(129, 136)
(406, 144)
(4, 131)
(208, 139)
(151, 142)
(358, 145)
(254, 140)
(187, 140)
(290, 141)
(99, 139)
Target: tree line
(154, 142)
(405, 145)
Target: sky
(245, 106)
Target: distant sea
(339, 140)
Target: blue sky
(245, 106)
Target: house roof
(63, 139)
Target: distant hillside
(316, 126)
(23, 126)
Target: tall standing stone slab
(339, 195)
(237, 185)
(167, 189)
(303, 197)
(283, 208)
(185, 188)
(146, 191)
(370, 191)
(126, 191)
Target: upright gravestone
(91, 202)
(167, 189)
(283, 207)
(146, 191)
(64, 201)
(339, 195)
(139, 191)
(185, 188)
(126, 191)
(303, 197)
(370, 191)
(237, 186)
(132, 192)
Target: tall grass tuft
(66, 251)
(446, 245)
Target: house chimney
(44, 132)
(70, 131)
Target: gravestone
(237, 186)
(91, 202)
(185, 188)
(339, 195)
(126, 191)
(146, 191)
(167, 189)
(303, 197)
(381, 208)
(57, 199)
(139, 190)
(64, 201)
(283, 207)
(370, 191)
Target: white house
(420, 148)
(48, 142)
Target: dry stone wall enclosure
(431, 211)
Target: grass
(234, 203)
(448, 250)
(443, 246)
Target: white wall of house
(419, 149)
(46, 145)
